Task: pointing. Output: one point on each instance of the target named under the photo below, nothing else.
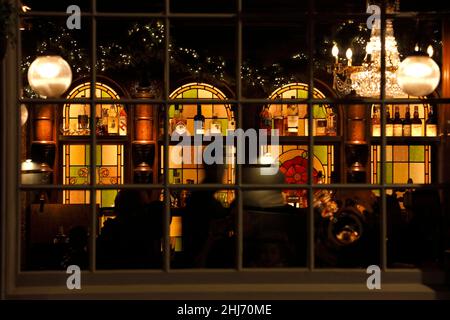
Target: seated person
(205, 226)
(274, 232)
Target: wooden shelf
(406, 140)
(283, 140)
(87, 139)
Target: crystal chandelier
(365, 79)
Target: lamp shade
(49, 76)
(23, 114)
(418, 75)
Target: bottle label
(407, 130)
(389, 130)
(376, 130)
(321, 127)
(123, 125)
(398, 130)
(180, 127)
(216, 128)
(292, 123)
(416, 130)
(431, 130)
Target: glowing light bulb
(335, 52)
(430, 51)
(349, 55)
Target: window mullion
(383, 222)
(166, 224)
(93, 136)
(310, 219)
(238, 171)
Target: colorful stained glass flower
(295, 171)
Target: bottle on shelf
(216, 125)
(178, 122)
(389, 124)
(431, 124)
(376, 127)
(199, 121)
(231, 126)
(122, 122)
(278, 118)
(407, 123)
(104, 122)
(416, 124)
(398, 125)
(113, 126)
(320, 124)
(265, 119)
(305, 121)
(292, 118)
(331, 123)
(83, 121)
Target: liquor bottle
(431, 124)
(216, 126)
(376, 129)
(278, 118)
(122, 122)
(398, 125)
(231, 126)
(389, 124)
(265, 119)
(331, 123)
(305, 121)
(292, 119)
(199, 121)
(113, 126)
(83, 121)
(104, 122)
(416, 124)
(178, 122)
(407, 123)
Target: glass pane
(403, 163)
(54, 235)
(130, 231)
(203, 228)
(58, 6)
(347, 224)
(274, 225)
(415, 228)
(274, 55)
(153, 6)
(203, 6)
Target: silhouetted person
(206, 226)
(133, 238)
(274, 232)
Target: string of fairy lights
(142, 53)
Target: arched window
(323, 125)
(293, 153)
(111, 123)
(219, 117)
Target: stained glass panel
(321, 113)
(75, 117)
(76, 170)
(402, 163)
